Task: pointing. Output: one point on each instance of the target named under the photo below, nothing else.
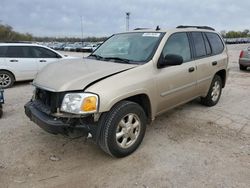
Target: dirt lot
(190, 146)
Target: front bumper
(55, 125)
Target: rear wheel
(242, 67)
(123, 129)
(6, 79)
(214, 92)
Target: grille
(48, 100)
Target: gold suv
(129, 80)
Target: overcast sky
(102, 18)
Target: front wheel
(123, 129)
(6, 79)
(214, 92)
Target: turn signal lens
(89, 104)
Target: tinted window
(18, 52)
(3, 50)
(40, 52)
(199, 44)
(207, 45)
(216, 43)
(178, 44)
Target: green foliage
(237, 34)
(7, 34)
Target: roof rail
(21, 42)
(140, 28)
(194, 26)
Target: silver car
(244, 59)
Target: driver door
(176, 84)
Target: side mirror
(170, 60)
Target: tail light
(241, 54)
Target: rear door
(176, 84)
(19, 59)
(207, 58)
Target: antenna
(127, 20)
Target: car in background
(22, 61)
(244, 59)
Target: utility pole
(127, 20)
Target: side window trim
(191, 44)
(206, 39)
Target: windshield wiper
(96, 56)
(118, 58)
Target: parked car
(115, 92)
(1, 102)
(244, 59)
(89, 48)
(70, 47)
(19, 61)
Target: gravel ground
(190, 146)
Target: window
(135, 47)
(178, 44)
(40, 52)
(208, 47)
(199, 44)
(3, 50)
(216, 43)
(18, 52)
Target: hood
(76, 74)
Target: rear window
(3, 50)
(199, 44)
(215, 42)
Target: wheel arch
(10, 73)
(222, 74)
(144, 101)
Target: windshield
(129, 47)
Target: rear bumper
(54, 125)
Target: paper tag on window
(151, 34)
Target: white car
(22, 61)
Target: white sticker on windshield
(151, 34)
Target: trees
(7, 34)
(237, 34)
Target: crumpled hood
(76, 74)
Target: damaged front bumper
(56, 125)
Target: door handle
(214, 63)
(13, 60)
(191, 69)
(43, 60)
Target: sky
(60, 18)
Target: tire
(242, 67)
(214, 92)
(117, 137)
(6, 79)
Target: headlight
(80, 103)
